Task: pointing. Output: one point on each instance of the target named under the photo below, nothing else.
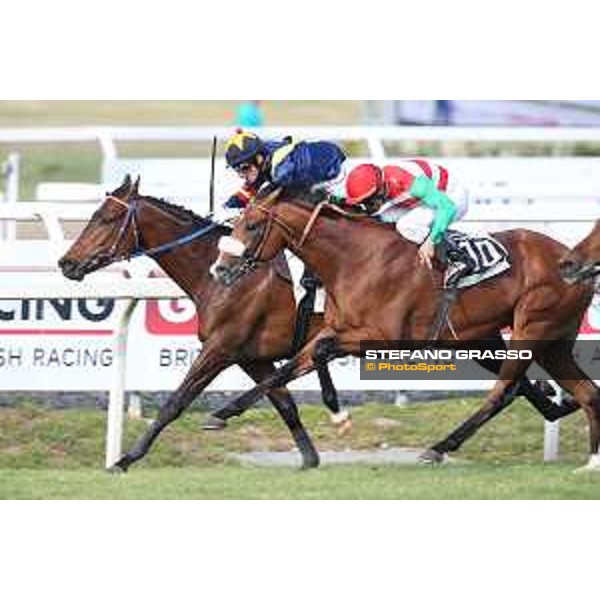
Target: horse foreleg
(302, 364)
(286, 407)
(206, 367)
(561, 365)
(339, 417)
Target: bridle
(250, 256)
(130, 221)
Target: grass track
(347, 482)
(59, 454)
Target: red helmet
(363, 182)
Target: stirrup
(462, 270)
(449, 295)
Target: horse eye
(103, 219)
(252, 227)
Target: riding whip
(211, 196)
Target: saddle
(488, 257)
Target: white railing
(126, 285)
(375, 137)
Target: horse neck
(187, 265)
(591, 243)
(331, 248)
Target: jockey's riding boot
(310, 280)
(459, 262)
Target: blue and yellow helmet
(242, 147)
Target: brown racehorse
(378, 291)
(583, 262)
(250, 325)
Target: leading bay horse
(378, 291)
(583, 262)
(250, 325)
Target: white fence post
(552, 433)
(116, 403)
(11, 176)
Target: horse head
(110, 235)
(583, 261)
(253, 240)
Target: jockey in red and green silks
(421, 198)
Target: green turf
(59, 454)
(45, 113)
(343, 482)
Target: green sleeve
(445, 210)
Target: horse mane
(319, 196)
(181, 213)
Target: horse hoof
(593, 465)
(214, 424)
(311, 463)
(586, 469)
(344, 428)
(432, 457)
(116, 469)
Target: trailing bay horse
(377, 290)
(583, 262)
(250, 325)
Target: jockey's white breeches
(415, 224)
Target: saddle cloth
(490, 256)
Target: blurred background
(79, 158)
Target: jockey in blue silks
(282, 163)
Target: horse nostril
(70, 268)
(217, 270)
(566, 266)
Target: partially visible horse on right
(583, 261)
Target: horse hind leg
(339, 417)
(561, 365)
(537, 394)
(494, 404)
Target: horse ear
(124, 189)
(271, 195)
(136, 187)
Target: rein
(131, 219)
(249, 257)
(272, 218)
